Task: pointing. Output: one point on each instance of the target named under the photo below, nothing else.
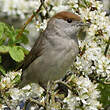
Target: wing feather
(35, 52)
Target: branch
(30, 19)
(107, 47)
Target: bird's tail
(22, 83)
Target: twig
(30, 19)
(107, 47)
(107, 83)
(64, 83)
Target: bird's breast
(60, 58)
(53, 63)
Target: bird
(54, 50)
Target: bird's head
(65, 23)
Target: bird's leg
(51, 96)
(61, 91)
(48, 96)
(36, 101)
(63, 83)
(52, 92)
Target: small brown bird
(54, 50)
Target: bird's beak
(82, 32)
(87, 24)
(84, 24)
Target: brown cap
(67, 15)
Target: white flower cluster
(8, 80)
(15, 8)
(85, 97)
(19, 96)
(92, 58)
(58, 5)
(41, 25)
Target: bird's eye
(69, 20)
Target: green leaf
(2, 70)
(4, 49)
(26, 52)
(23, 38)
(11, 34)
(2, 25)
(2, 40)
(0, 59)
(16, 53)
(26, 31)
(105, 94)
(16, 79)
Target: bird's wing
(35, 52)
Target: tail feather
(22, 84)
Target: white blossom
(87, 95)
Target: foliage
(10, 44)
(105, 94)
